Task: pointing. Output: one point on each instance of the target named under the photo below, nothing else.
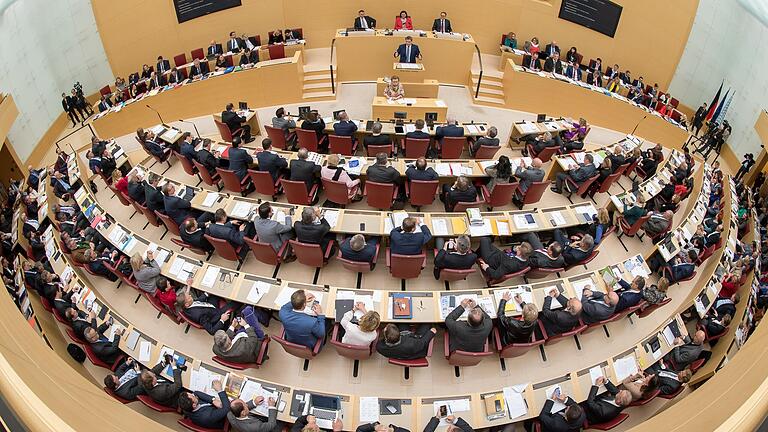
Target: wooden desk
(385, 109)
(251, 120)
(471, 129)
(563, 163)
(425, 89)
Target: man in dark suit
(376, 138)
(269, 161)
(528, 174)
(157, 81)
(404, 344)
(363, 21)
(544, 257)
(214, 49)
(606, 406)
(125, 381)
(203, 311)
(617, 158)
(163, 392)
(669, 381)
(81, 322)
(313, 228)
(153, 195)
(344, 127)
(513, 330)
(532, 61)
(408, 52)
(304, 170)
(106, 351)
(203, 409)
(687, 351)
(239, 349)
(572, 420)
(698, 118)
(249, 57)
(207, 159)
(235, 44)
(573, 72)
(177, 208)
(451, 129)
(358, 249)
(381, 172)
(233, 232)
(199, 68)
(726, 305)
(454, 255)
(235, 121)
(470, 335)
(68, 104)
(192, 234)
(418, 132)
(489, 140)
(630, 294)
(442, 24)
(239, 159)
(576, 251)
(597, 306)
(187, 147)
(154, 146)
(561, 320)
(162, 66)
(420, 171)
(577, 175)
(552, 49)
(496, 263)
(176, 76)
(241, 419)
(104, 104)
(553, 64)
(461, 191)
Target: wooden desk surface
(415, 108)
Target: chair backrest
(517, 349)
(223, 248)
(452, 147)
(296, 192)
(119, 195)
(486, 152)
(636, 226)
(189, 168)
(586, 184)
(276, 51)
(451, 275)
(180, 60)
(193, 249)
(464, 358)
(263, 182)
(501, 194)
(224, 131)
(277, 136)
(463, 206)
(416, 148)
(422, 192)
(547, 152)
(263, 251)
(631, 167)
(204, 174)
(340, 145)
(299, 32)
(379, 195)
(198, 53)
(356, 266)
(406, 266)
(293, 349)
(104, 91)
(255, 40)
(373, 150)
(307, 139)
(606, 184)
(149, 214)
(231, 181)
(308, 254)
(622, 168)
(169, 223)
(535, 191)
(354, 352)
(336, 191)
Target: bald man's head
(537, 163)
(698, 337)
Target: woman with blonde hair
(332, 171)
(145, 271)
(656, 293)
(364, 332)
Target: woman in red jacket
(403, 22)
(120, 181)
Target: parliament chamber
(341, 217)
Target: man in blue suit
(239, 159)
(344, 127)
(202, 408)
(271, 162)
(451, 129)
(301, 328)
(358, 250)
(408, 52)
(228, 231)
(406, 241)
(630, 294)
(573, 72)
(180, 209)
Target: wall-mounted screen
(599, 15)
(191, 9)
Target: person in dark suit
(192, 234)
(241, 419)
(106, 351)
(418, 132)
(207, 159)
(630, 294)
(235, 44)
(574, 251)
(670, 381)
(489, 140)
(408, 52)
(125, 381)
(104, 104)
(163, 392)
(544, 257)
(187, 147)
(302, 328)
(239, 159)
(597, 306)
(726, 305)
(420, 171)
(203, 312)
(552, 49)
(532, 61)
(157, 81)
(153, 196)
(304, 170)
(461, 191)
(176, 76)
(235, 121)
(232, 232)
(572, 420)
(456, 255)
(249, 57)
(561, 320)
(514, 330)
(313, 228)
(496, 263)
(153, 144)
(594, 78)
(404, 344)
(442, 24)
(451, 129)
(316, 123)
(470, 335)
(687, 350)
(553, 64)
(269, 161)
(698, 119)
(199, 68)
(80, 321)
(715, 326)
(214, 49)
(376, 138)
(573, 72)
(606, 406)
(363, 21)
(358, 249)
(162, 66)
(68, 105)
(404, 240)
(454, 425)
(382, 172)
(577, 175)
(344, 127)
(203, 409)
(177, 208)
(682, 266)
(617, 158)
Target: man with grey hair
(240, 343)
(658, 223)
(451, 129)
(376, 138)
(420, 171)
(344, 127)
(575, 249)
(597, 306)
(382, 172)
(489, 140)
(453, 254)
(313, 228)
(304, 170)
(528, 174)
(358, 249)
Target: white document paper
(443, 169)
(485, 230)
(625, 367)
(176, 266)
(145, 350)
(595, 373)
(210, 276)
(558, 218)
(258, 289)
(557, 406)
(332, 217)
(210, 199)
(439, 226)
(515, 401)
(502, 227)
(241, 209)
(369, 409)
(581, 284)
(669, 336)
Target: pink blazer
(399, 23)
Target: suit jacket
(443, 27)
(228, 232)
(176, 77)
(573, 73)
(130, 389)
(106, 351)
(557, 321)
(214, 50)
(301, 328)
(484, 141)
(460, 423)
(231, 45)
(81, 324)
(597, 407)
(203, 69)
(344, 128)
(104, 105)
(157, 81)
(449, 131)
(366, 254)
(154, 148)
(594, 308)
(306, 171)
(551, 48)
(371, 23)
(554, 422)
(632, 214)
(254, 423)
(527, 176)
(383, 174)
(232, 120)
(551, 66)
(682, 271)
(166, 393)
(243, 350)
(272, 232)
(514, 330)
(206, 316)
(208, 160)
(412, 173)
(317, 126)
(239, 160)
(684, 355)
(271, 162)
(313, 233)
(455, 196)
(582, 173)
(530, 63)
(616, 161)
(668, 382)
(208, 416)
(573, 255)
(627, 298)
(402, 52)
(178, 209)
(403, 243)
(541, 259)
(724, 305)
(376, 140)
(465, 337)
(162, 67)
(417, 134)
(452, 260)
(154, 198)
(196, 238)
(409, 347)
(251, 58)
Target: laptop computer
(326, 409)
(303, 111)
(541, 118)
(243, 105)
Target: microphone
(193, 125)
(638, 124)
(158, 114)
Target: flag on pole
(713, 105)
(726, 104)
(720, 106)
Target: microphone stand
(638, 124)
(158, 114)
(193, 125)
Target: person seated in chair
(597, 306)
(163, 392)
(575, 175)
(304, 170)
(461, 191)
(235, 121)
(106, 351)
(344, 127)
(561, 319)
(300, 327)
(400, 343)
(241, 419)
(192, 234)
(496, 263)
(203, 409)
(241, 342)
(516, 331)
(203, 310)
(270, 161)
(687, 350)
(470, 335)
(376, 138)
(187, 147)
(232, 231)
(270, 231)
(239, 159)
(715, 326)
(359, 250)
(124, 382)
(658, 223)
(456, 255)
(606, 406)
(316, 123)
(451, 129)
(528, 174)
(362, 331)
(420, 171)
(313, 228)
(682, 266)
(630, 294)
(383, 172)
(180, 209)
(570, 420)
(489, 140)
(199, 68)
(405, 240)
(633, 210)
(541, 141)
(332, 171)
(544, 257)
(285, 123)
(669, 382)
(206, 158)
(575, 250)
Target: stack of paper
(625, 367)
(201, 379)
(513, 396)
(258, 289)
(369, 409)
(580, 285)
(485, 229)
(210, 199)
(241, 209)
(557, 406)
(443, 169)
(332, 217)
(211, 274)
(439, 227)
(252, 389)
(558, 218)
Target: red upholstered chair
(243, 366)
(607, 183)
(353, 352)
(551, 340)
(296, 192)
(586, 260)
(208, 178)
(308, 139)
(169, 223)
(187, 164)
(538, 273)
(276, 51)
(380, 195)
(180, 60)
(233, 183)
(607, 425)
(415, 148)
(336, 192)
(119, 195)
(421, 192)
(356, 266)
(99, 362)
(420, 362)
(674, 394)
(464, 358)
(622, 169)
(150, 215)
(630, 231)
(545, 154)
(405, 266)
(517, 349)
(463, 206)
(580, 189)
(712, 338)
(631, 168)
(262, 181)
(151, 404)
(311, 255)
(277, 136)
(647, 399)
(491, 282)
(188, 424)
(342, 145)
(75, 338)
(161, 308)
(297, 350)
(116, 397)
(265, 253)
(533, 194)
(198, 53)
(373, 150)
(452, 275)
(486, 152)
(105, 91)
(452, 147)
(648, 309)
(500, 196)
(226, 250)
(225, 132)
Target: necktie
(364, 22)
(407, 54)
(234, 44)
(442, 25)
